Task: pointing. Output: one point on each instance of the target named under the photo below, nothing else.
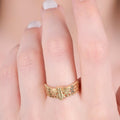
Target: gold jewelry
(62, 92)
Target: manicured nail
(48, 4)
(34, 24)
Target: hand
(45, 55)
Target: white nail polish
(34, 24)
(48, 4)
(81, 0)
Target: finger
(57, 49)
(97, 89)
(59, 61)
(31, 73)
(9, 89)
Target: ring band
(62, 92)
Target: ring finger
(59, 60)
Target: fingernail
(34, 24)
(48, 4)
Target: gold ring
(62, 92)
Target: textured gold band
(62, 92)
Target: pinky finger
(9, 92)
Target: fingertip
(49, 4)
(34, 24)
(32, 31)
(31, 37)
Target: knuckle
(95, 50)
(89, 13)
(27, 58)
(57, 47)
(7, 73)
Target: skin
(24, 69)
